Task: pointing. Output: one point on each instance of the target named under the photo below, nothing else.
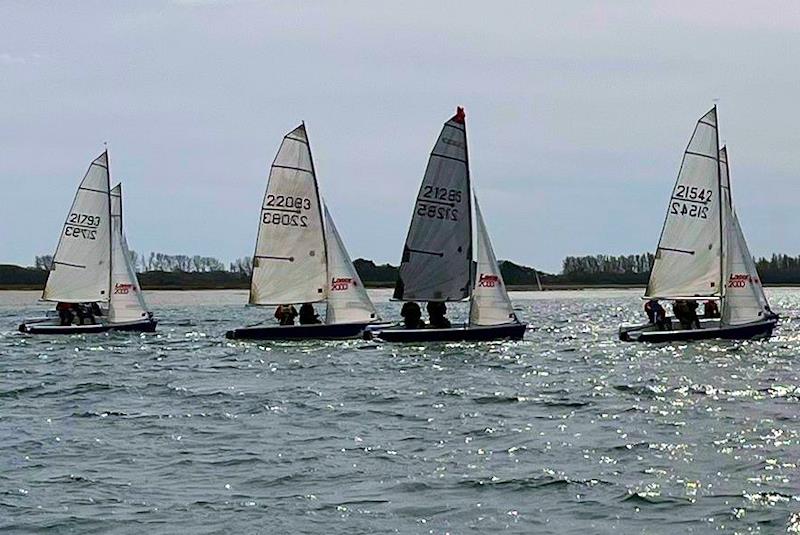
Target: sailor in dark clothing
(710, 309)
(436, 315)
(285, 314)
(686, 313)
(65, 314)
(412, 316)
(85, 313)
(694, 320)
(657, 315)
(308, 315)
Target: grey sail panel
(437, 255)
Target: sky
(577, 114)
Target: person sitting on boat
(657, 315)
(710, 309)
(686, 312)
(308, 316)
(436, 314)
(65, 314)
(96, 310)
(650, 308)
(412, 316)
(285, 314)
(85, 313)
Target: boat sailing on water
(440, 263)
(300, 257)
(702, 255)
(92, 278)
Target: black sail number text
(690, 201)
(439, 203)
(286, 210)
(82, 226)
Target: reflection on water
(568, 431)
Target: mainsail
(81, 264)
(490, 304)
(348, 301)
(744, 299)
(688, 259)
(127, 300)
(437, 255)
(289, 260)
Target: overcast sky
(577, 115)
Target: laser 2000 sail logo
(740, 280)
(123, 289)
(488, 281)
(341, 283)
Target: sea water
(567, 432)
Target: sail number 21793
(83, 226)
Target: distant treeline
(163, 271)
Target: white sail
(687, 260)
(744, 299)
(437, 255)
(289, 261)
(81, 270)
(127, 301)
(348, 301)
(490, 304)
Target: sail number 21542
(690, 201)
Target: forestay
(289, 260)
(744, 301)
(348, 301)
(81, 271)
(437, 256)
(687, 260)
(127, 300)
(490, 304)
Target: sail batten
(82, 261)
(289, 263)
(688, 260)
(437, 256)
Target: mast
(319, 209)
(721, 235)
(470, 193)
(110, 227)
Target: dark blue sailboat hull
(461, 333)
(147, 326)
(320, 331)
(749, 331)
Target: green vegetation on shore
(201, 273)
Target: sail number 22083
(285, 210)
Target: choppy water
(567, 432)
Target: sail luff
(721, 210)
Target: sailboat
(300, 256)
(702, 253)
(92, 263)
(440, 263)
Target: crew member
(412, 316)
(308, 316)
(436, 315)
(285, 314)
